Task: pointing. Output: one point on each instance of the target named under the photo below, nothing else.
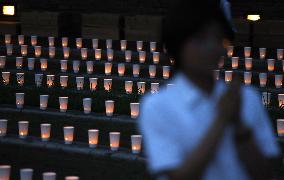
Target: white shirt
(174, 121)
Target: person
(201, 128)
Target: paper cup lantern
(51, 41)
(6, 78)
(95, 43)
(19, 62)
(108, 67)
(114, 138)
(136, 142)
(280, 127)
(109, 54)
(79, 43)
(262, 53)
(128, 55)
(8, 38)
(153, 46)
(93, 137)
(216, 74)
(63, 65)
(24, 50)
(156, 57)
(38, 79)
(20, 78)
(90, 67)
(248, 64)
(141, 87)
(123, 45)
(281, 100)
(21, 39)
(155, 88)
(72, 178)
(142, 56)
(33, 40)
(121, 69)
(49, 176)
(9, 49)
(109, 43)
(64, 41)
(63, 104)
(26, 174)
(278, 80)
(235, 62)
(266, 98)
(139, 45)
(128, 87)
(5, 172)
(230, 51)
(43, 101)
(107, 84)
(3, 127)
(166, 72)
(80, 83)
(152, 71)
(66, 52)
(247, 78)
(280, 54)
(228, 76)
(43, 64)
(63, 81)
(2, 62)
(270, 64)
(98, 54)
(87, 105)
(136, 70)
(23, 129)
(134, 110)
(45, 132)
(37, 51)
(247, 52)
(262, 79)
(76, 66)
(109, 104)
(68, 134)
(31, 63)
(50, 80)
(84, 53)
(93, 83)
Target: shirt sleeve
(160, 138)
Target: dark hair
(186, 18)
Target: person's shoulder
(250, 93)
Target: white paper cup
(3, 127)
(26, 174)
(136, 141)
(93, 137)
(45, 132)
(23, 129)
(109, 105)
(87, 105)
(68, 134)
(114, 138)
(5, 172)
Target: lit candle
(166, 72)
(247, 52)
(262, 79)
(142, 56)
(64, 41)
(152, 71)
(93, 83)
(108, 67)
(248, 64)
(24, 50)
(5, 172)
(33, 40)
(141, 87)
(136, 70)
(51, 41)
(6, 78)
(51, 52)
(9, 49)
(63, 104)
(66, 52)
(21, 39)
(84, 53)
(228, 76)
(93, 137)
(262, 53)
(107, 84)
(247, 78)
(50, 80)
(109, 54)
(72, 178)
(128, 87)
(63, 65)
(38, 79)
(37, 51)
(8, 38)
(19, 62)
(123, 45)
(45, 132)
(134, 110)
(128, 55)
(26, 174)
(136, 141)
(216, 74)
(79, 43)
(95, 43)
(266, 97)
(156, 57)
(98, 54)
(278, 80)
(49, 176)
(90, 67)
(31, 63)
(68, 134)
(43, 64)
(270, 64)
(121, 69)
(230, 51)
(109, 104)
(109, 43)
(23, 129)
(80, 83)
(280, 127)
(2, 61)
(280, 54)
(114, 138)
(139, 45)
(63, 81)
(235, 62)
(76, 66)
(155, 88)
(281, 100)
(43, 101)
(153, 46)
(3, 127)
(87, 105)
(20, 78)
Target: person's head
(194, 32)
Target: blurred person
(201, 128)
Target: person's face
(202, 52)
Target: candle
(247, 78)
(107, 84)
(68, 134)
(136, 70)
(114, 138)
(19, 62)
(262, 79)
(3, 127)
(270, 64)
(76, 66)
(63, 104)
(98, 54)
(280, 54)
(109, 104)
(84, 53)
(141, 87)
(156, 57)
(278, 80)
(49, 176)
(136, 141)
(63, 81)
(33, 40)
(72, 178)
(93, 83)
(51, 52)
(8, 38)
(95, 43)
(128, 87)
(23, 129)
(109, 43)
(80, 83)
(37, 51)
(87, 105)
(153, 46)
(139, 45)
(50, 80)
(38, 79)
(230, 51)
(108, 67)
(26, 174)
(63, 65)
(21, 39)
(228, 76)
(64, 41)
(235, 62)
(221, 62)
(79, 43)
(128, 55)
(280, 127)
(262, 53)
(66, 52)
(155, 88)
(6, 78)
(20, 78)
(5, 172)
(247, 52)
(216, 74)
(51, 41)
(93, 137)
(166, 72)
(266, 97)
(123, 45)
(121, 69)
(43, 64)
(134, 110)
(142, 56)
(43, 101)
(281, 100)
(2, 61)
(24, 50)
(248, 64)
(152, 71)
(9, 49)
(109, 54)
(90, 67)
(31, 63)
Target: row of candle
(247, 52)
(278, 78)
(87, 105)
(79, 42)
(266, 99)
(68, 131)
